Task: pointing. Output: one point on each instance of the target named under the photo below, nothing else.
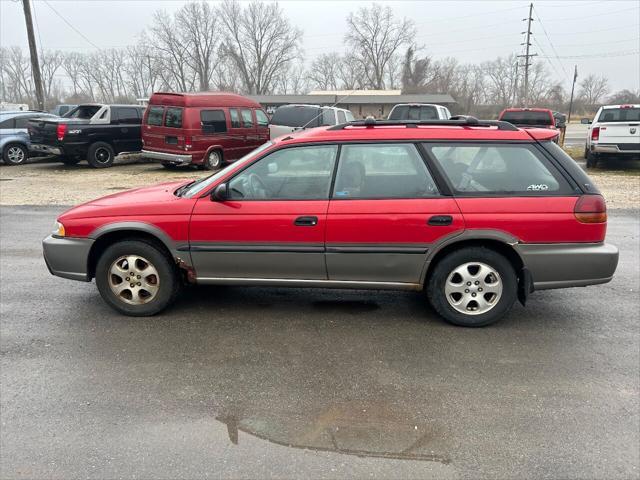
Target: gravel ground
(42, 183)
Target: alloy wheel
(473, 288)
(15, 154)
(134, 280)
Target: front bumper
(167, 157)
(565, 265)
(68, 257)
(45, 149)
(612, 148)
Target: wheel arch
(109, 234)
(500, 242)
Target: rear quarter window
(495, 169)
(213, 121)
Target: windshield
(628, 114)
(296, 116)
(527, 118)
(198, 186)
(83, 111)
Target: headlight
(58, 230)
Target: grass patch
(576, 152)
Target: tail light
(591, 209)
(595, 134)
(61, 130)
(188, 143)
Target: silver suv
(14, 137)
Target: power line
(564, 19)
(566, 75)
(71, 25)
(619, 53)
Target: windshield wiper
(180, 191)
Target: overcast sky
(601, 37)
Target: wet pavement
(294, 383)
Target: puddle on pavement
(353, 428)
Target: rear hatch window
(627, 114)
(527, 118)
(154, 117)
(414, 112)
(297, 116)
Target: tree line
(253, 48)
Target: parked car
(291, 118)
(93, 131)
(205, 129)
(474, 213)
(531, 118)
(419, 111)
(14, 138)
(62, 109)
(615, 132)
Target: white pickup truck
(614, 132)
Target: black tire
(445, 268)
(100, 155)
(168, 280)
(69, 160)
(592, 160)
(15, 154)
(213, 160)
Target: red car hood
(154, 200)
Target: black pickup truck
(96, 132)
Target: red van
(204, 129)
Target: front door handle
(440, 220)
(306, 221)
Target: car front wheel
(100, 155)
(136, 278)
(473, 287)
(15, 154)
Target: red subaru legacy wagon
(476, 214)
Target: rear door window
(479, 169)
(382, 171)
(154, 117)
(341, 117)
(173, 118)
(262, 119)
(124, 115)
(213, 121)
(247, 118)
(7, 124)
(235, 118)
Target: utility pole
(573, 85)
(33, 50)
(527, 55)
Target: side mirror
(220, 193)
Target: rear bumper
(167, 157)
(612, 148)
(45, 149)
(569, 264)
(67, 257)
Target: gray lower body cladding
(561, 265)
(67, 257)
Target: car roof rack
(459, 120)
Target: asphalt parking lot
(294, 383)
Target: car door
(251, 134)
(237, 136)
(125, 125)
(272, 224)
(385, 214)
(262, 128)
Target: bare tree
(376, 36)
(350, 73)
(260, 41)
(501, 76)
(592, 89)
(324, 71)
(196, 23)
(624, 96)
(16, 71)
(50, 63)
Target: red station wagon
(475, 213)
(203, 129)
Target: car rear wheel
(473, 287)
(15, 154)
(592, 160)
(100, 155)
(213, 160)
(136, 278)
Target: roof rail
(460, 120)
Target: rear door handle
(440, 220)
(306, 221)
